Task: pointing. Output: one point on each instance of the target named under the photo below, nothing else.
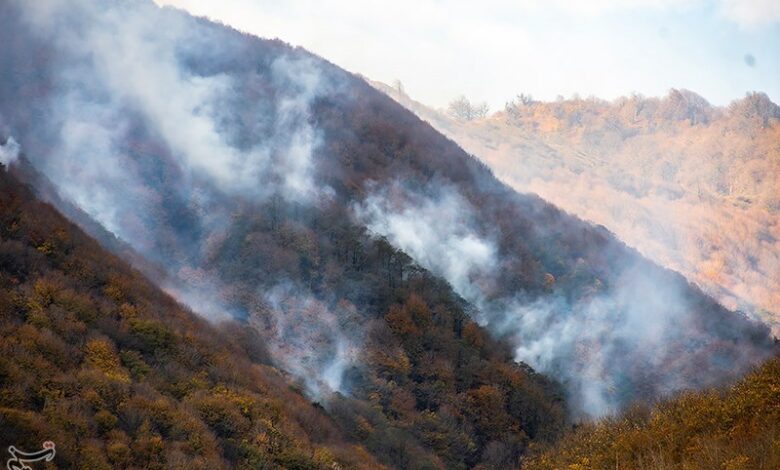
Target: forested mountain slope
(362, 246)
(118, 375)
(692, 186)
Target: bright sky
(492, 50)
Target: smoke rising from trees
(130, 72)
(602, 346)
(187, 144)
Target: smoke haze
(604, 346)
(692, 186)
(177, 137)
(129, 72)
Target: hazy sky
(492, 50)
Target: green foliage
(134, 362)
(153, 335)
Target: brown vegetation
(95, 358)
(98, 360)
(429, 387)
(733, 429)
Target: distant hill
(692, 186)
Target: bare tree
(757, 105)
(526, 100)
(399, 87)
(461, 108)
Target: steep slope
(432, 389)
(692, 186)
(120, 367)
(268, 185)
(118, 375)
(736, 428)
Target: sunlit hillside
(693, 186)
(732, 429)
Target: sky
(493, 50)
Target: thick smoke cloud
(124, 74)
(436, 231)
(605, 348)
(129, 61)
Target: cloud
(751, 13)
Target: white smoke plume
(436, 231)
(125, 62)
(225, 122)
(602, 347)
(9, 151)
(309, 338)
(221, 126)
